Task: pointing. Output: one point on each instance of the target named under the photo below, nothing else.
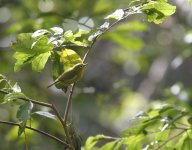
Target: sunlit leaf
(94, 35)
(57, 30)
(69, 58)
(80, 33)
(104, 26)
(23, 43)
(16, 88)
(118, 14)
(134, 142)
(45, 114)
(85, 23)
(41, 46)
(28, 50)
(22, 59)
(69, 36)
(92, 141)
(157, 12)
(39, 33)
(187, 144)
(181, 140)
(38, 63)
(108, 146)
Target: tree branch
(46, 105)
(38, 131)
(31, 100)
(69, 100)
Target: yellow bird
(71, 76)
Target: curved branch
(69, 100)
(38, 131)
(31, 100)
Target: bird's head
(79, 66)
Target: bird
(69, 77)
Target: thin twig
(69, 100)
(37, 130)
(31, 100)
(43, 104)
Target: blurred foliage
(135, 67)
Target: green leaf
(108, 146)
(57, 30)
(12, 96)
(118, 14)
(22, 59)
(16, 88)
(163, 135)
(190, 120)
(187, 144)
(91, 141)
(57, 66)
(157, 12)
(38, 63)
(39, 33)
(80, 33)
(29, 50)
(24, 111)
(118, 145)
(134, 142)
(23, 114)
(69, 58)
(180, 141)
(41, 45)
(45, 114)
(23, 43)
(68, 35)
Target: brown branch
(31, 100)
(38, 131)
(43, 104)
(69, 101)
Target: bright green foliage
(30, 50)
(109, 145)
(91, 141)
(157, 128)
(69, 58)
(36, 48)
(38, 63)
(158, 11)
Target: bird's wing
(68, 75)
